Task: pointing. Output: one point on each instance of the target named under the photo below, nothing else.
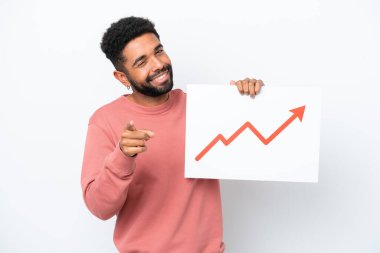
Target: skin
(144, 57)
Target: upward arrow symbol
(297, 113)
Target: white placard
(274, 136)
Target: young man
(133, 164)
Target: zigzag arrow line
(297, 113)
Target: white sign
(274, 136)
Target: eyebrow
(144, 56)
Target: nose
(157, 64)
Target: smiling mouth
(160, 78)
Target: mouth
(160, 78)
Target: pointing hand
(133, 141)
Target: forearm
(106, 175)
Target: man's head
(133, 46)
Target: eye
(159, 51)
(140, 64)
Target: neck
(148, 101)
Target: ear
(122, 78)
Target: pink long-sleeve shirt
(158, 210)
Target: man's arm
(106, 174)
(107, 170)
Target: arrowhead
(299, 112)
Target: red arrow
(297, 113)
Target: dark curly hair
(120, 33)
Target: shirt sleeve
(106, 174)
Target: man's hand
(248, 86)
(133, 141)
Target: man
(133, 164)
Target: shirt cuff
(120, 164)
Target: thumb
(232, 82)
(131, 126)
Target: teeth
(160, 76)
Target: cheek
(140, 75)
(167, 59)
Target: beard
(150, 90)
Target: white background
(53, 75)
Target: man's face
(149, 69)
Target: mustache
(159, 72)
